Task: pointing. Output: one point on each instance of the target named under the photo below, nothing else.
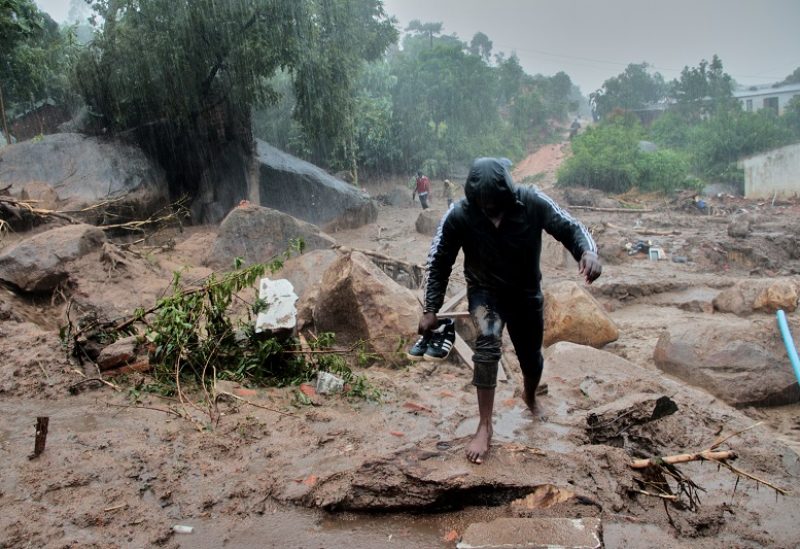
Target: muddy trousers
(523, 314)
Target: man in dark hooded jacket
(499, 227)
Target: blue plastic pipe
(789, 343)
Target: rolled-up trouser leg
(488, 344)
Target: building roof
(757, 91)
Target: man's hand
(590, 267)
(427, 323)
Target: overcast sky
(592, 40)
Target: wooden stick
(42, 423)
(453, 314)
(453, 301)
(670, 497)
(684, 458)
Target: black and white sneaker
(442, 340)
(418, 349)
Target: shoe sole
(414, 358)
(430, 358)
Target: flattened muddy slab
(533, 533)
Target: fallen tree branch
(706, 455)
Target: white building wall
(753, 100)
(773, 173)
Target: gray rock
(740, 226)
(39, 263)
(428, 222)
(743, 363)
(87, 170)
(306, 192)
(258, 234)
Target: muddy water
(301, 528)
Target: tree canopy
(633, 89)
(185, 74)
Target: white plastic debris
(182, 529)
(328, 383)
(281, 313)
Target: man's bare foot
(479, 445)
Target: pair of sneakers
(436, 344)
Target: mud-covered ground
(354, 473)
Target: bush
(607, 157)
(604, 157)
(664, 170)
(671, 129)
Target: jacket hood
(490, 181)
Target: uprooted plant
(657, 472)
(202, 333)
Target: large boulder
(743, 363)
(39, 263)
(359, 302)
(747, 296)
(257, 234)
(83, 171)
(572, 314)
(301, 189)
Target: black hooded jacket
(505, 258)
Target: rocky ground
(697, 342)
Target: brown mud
(361, 474)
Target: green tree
(183, 75)
(704, 88)
(634, 88)
(793, 78)
(604, 157)
(429, 30)
(481, 46)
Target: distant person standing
(422, 189)
(447, 192)
(574, 128)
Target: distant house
(42, 119)
(775, 173)
(767, 97)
